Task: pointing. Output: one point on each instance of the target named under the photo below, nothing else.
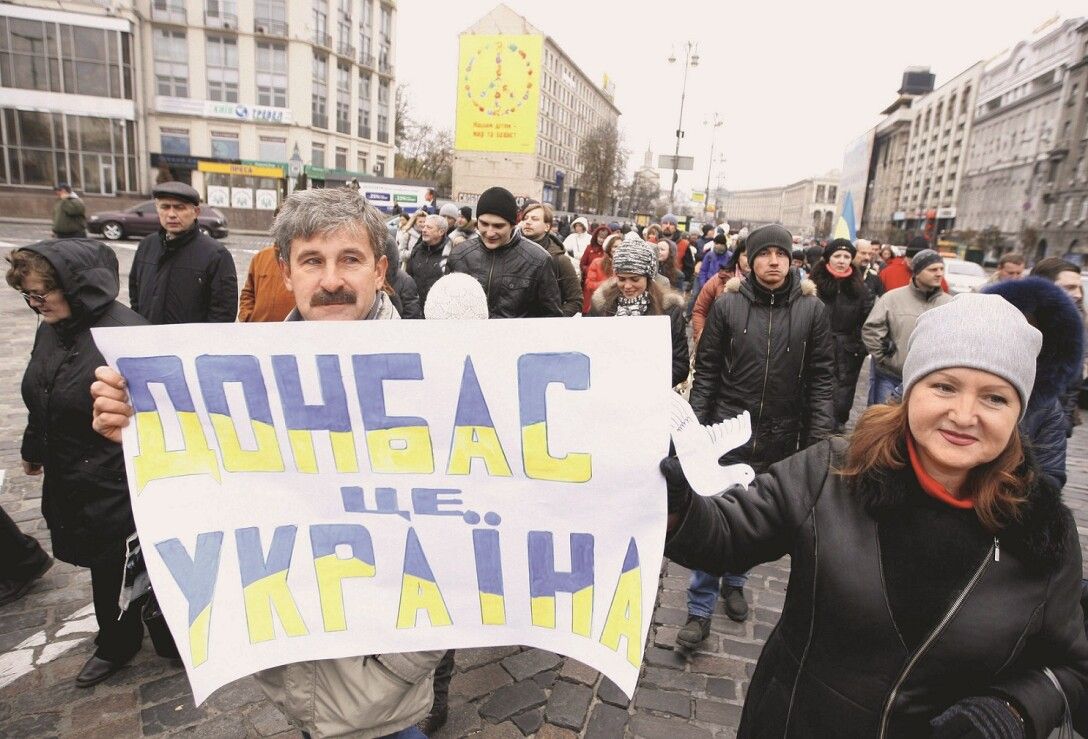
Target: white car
(963, 276)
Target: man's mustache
(340, 297)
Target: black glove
(677, 485)
(983, 717)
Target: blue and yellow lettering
(214, 372)
(394, 443)
(427, 502)
(535, 373)
(545, 582)
(155, 461)
(385, 501)
(331, 569)
(474, 434)
(264, 583)
(418, 589)
(625, 614)
(196, 579)
(485, 545)
(303, 419)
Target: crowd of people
(936, 576)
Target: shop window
(225, 145)
(174, 141)
(272, 149)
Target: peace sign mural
(498, 93)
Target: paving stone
(546, 679)
(34, 725)
(165, 688)
(480, 681)
(762, 631)
(568, 705)
(168, 716)
(505, 730)
(267, 719)
(717, 687)
(609, 692)
(717, 712)
(530, 721)
(646, 726)
(663, 701)
(606, 722)
(104, 709)
(463, 721)
(10, 622)
(528, 663)
(220, 727)
(671, 616)
(467, 659)
(236, 695)
(718, 666)
(674, 680)
(664, 658)
(741, 649)
(575, 671)
(547, 731)
(123, 727)
(511, 700)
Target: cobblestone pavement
(497, 692)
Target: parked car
(963, 276)
(142, 219)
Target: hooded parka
(848, 302)
(898, 605)
(85, 493)
(769, 354)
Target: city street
(499, 692)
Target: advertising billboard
(498, 93)
(855, 177)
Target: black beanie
(916, 245)
(721, 239)
(765, 237)
(466, 212)
(839, 245)
(498, 201)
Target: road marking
(21, 660)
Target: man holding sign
(329, 243)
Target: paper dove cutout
(698, 448)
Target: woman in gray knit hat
(935, 573)
(633, 291)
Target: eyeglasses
(34, 298)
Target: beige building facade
(571, 107)
(805, 207)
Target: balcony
(216, 19)
(169, 12)
(269, 27)
(345, 50)
(320, 120)
(384, 67)
(322, 39)
(368, 60)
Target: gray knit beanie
(923, 259)
(978, 331)
(767, 236)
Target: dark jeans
(442, 675)
(119, 635)
(21, 556)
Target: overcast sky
(794, 82)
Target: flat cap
(178, 190)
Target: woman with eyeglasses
(72, 285)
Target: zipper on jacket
(811, 619)
(933, 637)
(997, 549)
(766, 377)
(490, 271)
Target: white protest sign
(317, 490)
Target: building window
(1068, 212)
(96, 155)
(225, 145)
(363, 161)
(341, 157)
(221, 14)
(171, 67)
(271, 149)
(319, 106)
(272, 74)
(364, 105)
(271, 15)
(383, 110)
(321, 22)
(343, 98)
(222, 64)
(174, 141)
(366, 30)
(379, 165)
(385, 38)
(317, 155)
(37, 55)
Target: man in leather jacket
(515, 273)
(766, 348)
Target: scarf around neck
(636, 306)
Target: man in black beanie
(515, 273)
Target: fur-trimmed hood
(1039, 537)
(1049, 309)
(607, 291)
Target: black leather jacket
(850, 656)
(517, 277)
(771, 355)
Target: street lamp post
(714, 126)
(691, 59)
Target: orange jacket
(265, 297)
(595, 275)
(713, 287)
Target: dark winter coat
(898, 605)
(570, 287)
(84, 494)
(405, 293)
(770, 354)
(604, 303)
(517, 277)
(425, 264)
(190, 278)
(848, 302)
(1057, 366)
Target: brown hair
(549, 212)
(1051, 267)
(610, 294)
(1012, 257)
(25, 263)
(996, 488)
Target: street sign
(664, 161)
(698, 197)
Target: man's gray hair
(321, 212)
(439, 222)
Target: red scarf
(841, 275)
(933, 488)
